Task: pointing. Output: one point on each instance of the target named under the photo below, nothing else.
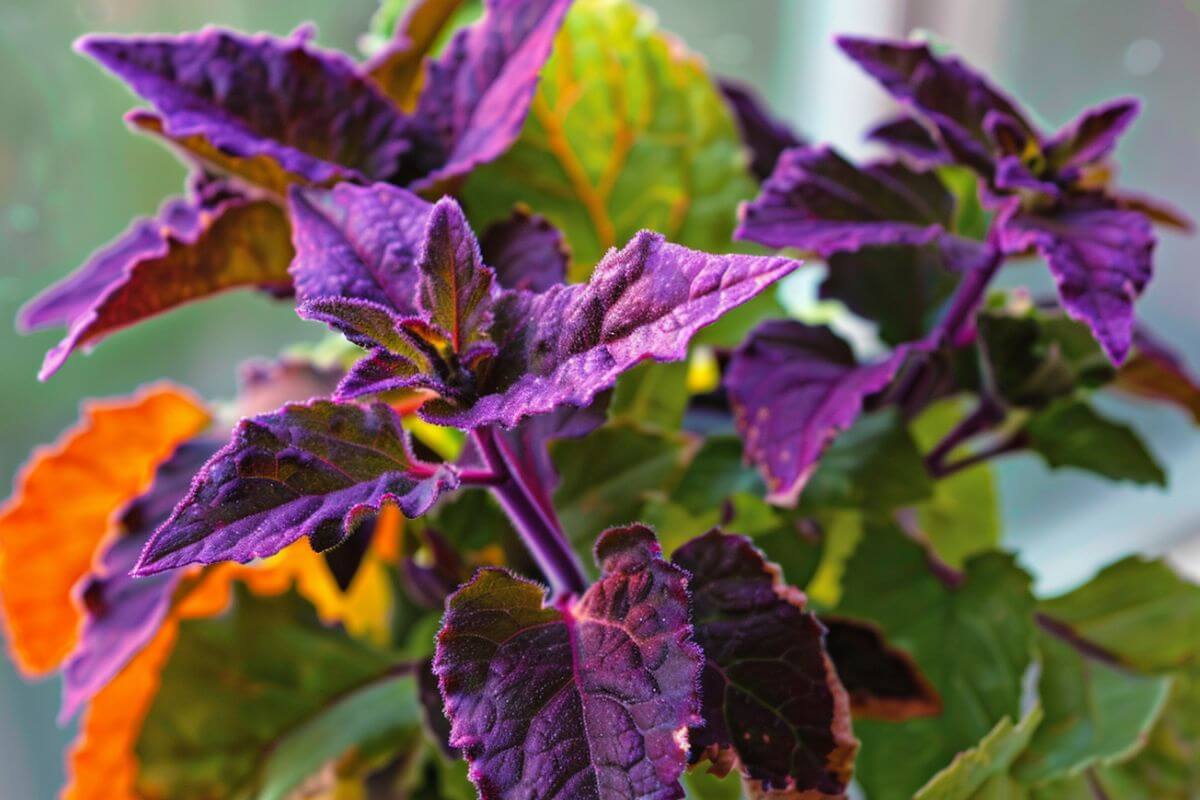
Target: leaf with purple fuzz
(1099, 257)
(951, 96)
(773, 705)
(526, 251)
(212, 241)
(318, 469)
(793, 388)
(591, 697)
(763, 135)
(883, 681)
(568, 344)
(818, 201)
(248, 96)
(455, 288)
(124, 613)
(359, 242)
(1090, 138)
(477, 94)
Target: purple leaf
(883, 681)
(773, 705)
(249, 96)
(215, 240)
(1156, 372)
(477, 94)
(455, 289)
(909, 138)
(124, 613)
(817, 201)
(794, 387)
(764, 136)
(317, 469)
(358, 242)
(589, 698)
(949, 95)
(568, 344)
(265, 385)
(526, 251)
(1099, 257)
(1091, 137)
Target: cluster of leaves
(371, 574)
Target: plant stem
(966, 299)
(1018, 441)
(536, 524)
(983, 418)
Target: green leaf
(971, 220)
(991, 758)
(972, 638)
(1137, 610)
(700, 784)
(254, 702)
(1096, 713)
(607, 478)
(735, 325)
(717, 472)
(1072, 434)
(962, 517)
(627, 131)
(875, 467)
(1035, 357)
(652, 395)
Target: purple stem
(1018, 441)
(983, 418)
(966, 299)
(537, 526)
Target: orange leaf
(62, 508)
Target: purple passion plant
(569, 507)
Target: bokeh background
(71, 177)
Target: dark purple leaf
(359, 242)
(909, 138)
(455, 291)
(817, 201)
(123, 613)
(477, 94)
(210, 242)
(526, 251)
(591, 697)
(265, 385)
(1091, 137)
(1099, 257)
(945, 92)
(306, 109)
(794, 387)
(318, 469)
(773, 705)
(883, 681)
(764, 135)
(568, 344)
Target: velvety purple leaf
(248, 96)
(398, 68)
(765, 136)
(1013, 175)
(568, 344)
(773, 704)
(1099, 257)
(1159, 212)
(793, 388)
(526, 251)
(883, 682)
(591, 697)
(952, 97)
(909, 138)
(817, 201)
(123, 613)
(358, 242)
(215, 240)
(477, 94)
(1091, 137)
(318, 469)
(455, 289)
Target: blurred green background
(72, 176)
